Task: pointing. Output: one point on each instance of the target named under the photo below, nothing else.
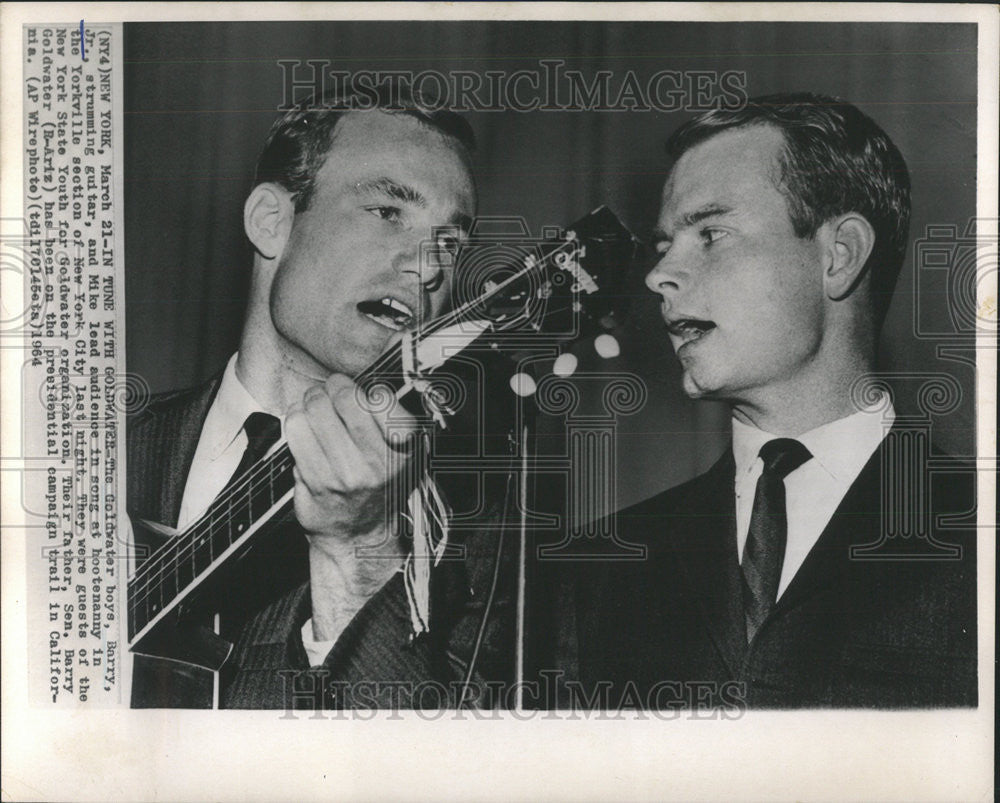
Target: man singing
(782, 230)
(343, 198)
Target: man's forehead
(374, 127)
(395, 133)
(375, 148)
(729, 169)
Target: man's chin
(321, 364)
(695, 387)
(354, 355)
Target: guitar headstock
(564, 285)
(517, 293)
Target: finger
(329, 430)
(310, 459)
(378, 401)
(371, 431)
(354, 449)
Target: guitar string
(199, 536)
(160, 564)
(154, 585)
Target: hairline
(415, 114)
(777, 171)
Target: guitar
(511, 293)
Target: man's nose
(423, 259)
(409, 260)
(668, 276)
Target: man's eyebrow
(689, 219)
(707, 211)
(391, 189)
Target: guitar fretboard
(192, 555)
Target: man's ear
(267, 218)
(850, 239)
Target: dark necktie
(263, 431)
(764, 552)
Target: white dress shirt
(815, 489)
(220, 449)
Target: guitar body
(178, 663)
(166, 674)
(163, 683)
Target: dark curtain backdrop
(199, 99)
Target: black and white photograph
(534, 370)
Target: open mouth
(388, 312)
(690, 329)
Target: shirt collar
(225, 420)
(841, 447)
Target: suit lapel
(185, 422)
(706, 546)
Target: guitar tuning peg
(523, 385)
(565, 364)
(607, 346)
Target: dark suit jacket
(852, 629)
(265, 601)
